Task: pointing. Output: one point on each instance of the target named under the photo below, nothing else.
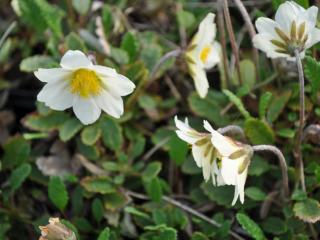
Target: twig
(283, 164)
(92, 168)
(232, 38)
(7, 32)
(252, 33)
(222, 37)
(232, 128)
(301, 121)
(187, 209)
(148, 154)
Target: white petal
(214, 56)
(86, 109)
(310, 17)
(262, 42)
(267, 26)
(235, 196)
(200, 79)
(183, 126)
(229, 171)
(56, 95)
(198, 154)
(241, 181)
(314, 37)
(206, 167)
(286, 13)
(74, 59)
(206, 32)
(185, 132)
(52, 74)
(118, 85)
(111, 104)
(104, 71)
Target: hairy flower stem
(234, 129)
(232, 38)
(301, 121)
(251, 30)
(282, 161)
(187, 209)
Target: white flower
(55, 230)
(85, 87)
(220, 157)
(294, 28)
(203, 53)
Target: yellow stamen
(85, 83)
(205, 53)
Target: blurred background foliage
(52, 165)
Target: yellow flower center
(205, 53)
(85, 83)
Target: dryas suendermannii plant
(89, 88)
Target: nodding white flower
(85, 87)
(224, 160)
(203, 53)
(293, 28)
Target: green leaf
(185, 19)
(307, 210)
(42, 15)
(136, 212)
(248, 74)
(264, 103)
(277, 105)
(69, 129)
(258, 166)
(115, 201)
(160, 232)
(89, 151)
(258, 132)
(199, 236)
(255, 194)
(151, 171)
(111, 133)
(81, 6)
(154, 189)
(105, 234)
(49, 122)
(237, 101)
(178, 150)
(286, 133)
(31, 64)
(299, 195)
(98, 184)
(58, 193)
(274, 225)
(150, 55)
(312, 72)
(119, 55)
(210, 107)
(130, 44)
(97, 209)
(250, 226)
(18, 176)
(75, 42)
(303, 3)
(222, 195)
(91, 134)
(16, 152)
(107, 18)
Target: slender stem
(222, 37)
(251, 30)
(187, 209)
(301, 121)
(7, 32)
(283, 164)
(233, 129)
(232, 38)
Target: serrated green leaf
(312, 71)
(258, 131)
(136, 212)
(31, 64)
(69, 129)
(237, 102)
(74, 42)
(18, 176)
(255, 194)
(274, 225)
(16, 152)
(105, 234)
(199, 236)
(98, 184)
(250, 226)
(307, 210)
(111, 133)
(58, 193)
(277, 105)
(91, 134)
(89, 151)
(264, 103)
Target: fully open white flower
(85, 87)
(203, 53)
(221, 158)
(293, 28)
